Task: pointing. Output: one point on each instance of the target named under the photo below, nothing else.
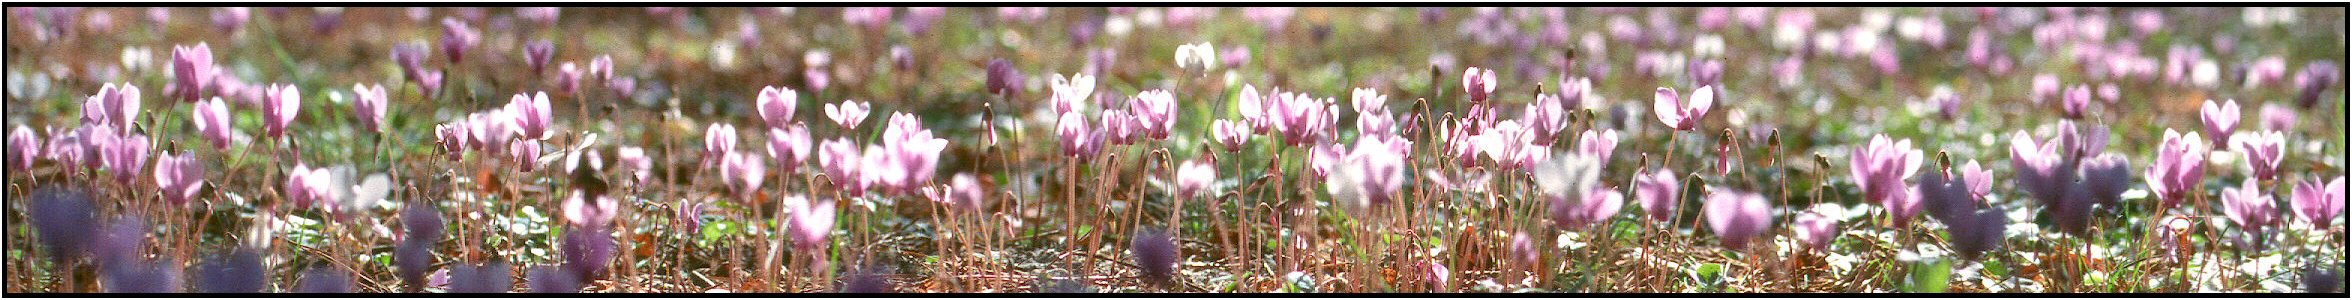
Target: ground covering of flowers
(1176, 149)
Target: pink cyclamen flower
(1078, 139)
(179, 177)
(1194, 177)
(212, 120)
(1978, 179)
(2264, 152)
(1155, 110)
(717, 142)
(126, 156)
(962, 193)
(2179, 167)
(456, 37)
(371, 106)
(2248, 207)
(811, 221)
(452, 137)
(1478, 83)
(840, 159)
(2220, 120)
(1072, 93)
(23, 148)
(1119, 128)
(278, 106)
(1381, 163)
(789, 146)
(1679, 114)
(634, 161)
(1230, 133)
(536, 53)
(117, 107)
(1738, 217)
(567, 78)
(1815, 230)
(530, 114)
(1596, 208)
(848, 113)
(1253, 109)
(1598, 145)
(2076, 101)
(2277, 117)
(1657, 191)
(601, 67)
(298, 191)
(2319, 203)
(525, 154)
(776, 105)
(1546, 118)
(744, 172)
(192, 70)
(587, 213)
(909, 155)
(1879, 170)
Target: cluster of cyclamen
(514, 131)
(901, 163)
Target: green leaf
(1929, 277)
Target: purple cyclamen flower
(776, 105)
(549, 279)
(179, 177)
(1657, 192)
(1977, 233)
(2104, 179)
(1377, 165)
(323, 280)
(1508, 144)
(1072, 93)
(2264, 152)
(1815, 230)
(848, 113)
(1230, 133)
(601, 67)
(634, 161)
(1156, 255)
(567, 78)
(1879, 170)
(1478, 83)
(587, 251)
(456, 37)
(1078, 140)
(2319, 203)
(909, 155)
(213, 121)
(2179, 168)
(2220, 120)
(1947, 103)
(811, 222)
(525, 153)
(1679, 114)
(488, 277)
(1947, 198)
(411, 59)
(65, 221)
(134, 275)
(1253, 109)
(789, 146)
(530, 114)
(1002, 78)
(1193, 178)
(278, 106)
(841, 162)
(813, 69)
(239, 271)
(718, 141)
(192, 70)
(2277, 117)
(2248, 207)
(371, 105)
(1155, 110)
(126, 157)
(119, 107)
(1523, 251)
(1119, 127)
(2075, 101)
(24, 147)
(2316, 77)
(536, 53)
(2038, 167)
(1738, 217)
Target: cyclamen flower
(549, 279)
(239, 271)
(789, 146)
(744, 172)
(1202, 54)
(635, 163)
(23, 148)
(776, 105)
(125, 157)
(65, 221)
(1078, 139)
(1947, 103)
(842, 165)
(2179, 168)
(323, 280)
(1120, 128)
(116, 107)
(2075, 101)
(278, 106)
(908, 155)
(192, 70)
(810, 222)
(718, 141)
(1977, 233)
(1155, 110)
(1879, 170)
(848, 113)
(2277, 118)
(962, 192)
(536, 53)
(1253, 109)
(1507, 144)
(2248, 207)
(2220, 120)
(583, 212)
(567, 78)
(1194, 177)
(370, 107)
(1679, 114)
(1596, 208)
(2264, 151)
(1156, 255)
(587, 251)
(1598, 145)
(1546, 118)
(1301, 119)
(2319, 203)
(1657, 192)
(1738, 217)
(1815, 230)
(1002, 78)
(488, 277)
(1478, 83)
(525, 154)
(530, 114)
(456, 37)
(1230, 133)
(179, 177)
(1381, 165)
(1072, 93)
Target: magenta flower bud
(1815, 230)
(776, 105)
(1598, 145)
(2277, 118)
(456, 37)
(1078, 139)
(848, 113)
(1681, 115)
(2319, 203)
(811, 222)
(1230, 133)
(179, 177)
(718, 141)
(639, 166)
(1738, 217)
(279, 104)
(1879, 170)
(2220, 120)
(24, 147)
(192, 70)
(1478, 83)
(1072, 93)
(2076, 101)
(1657, 192)
(1193, 178)
(370, 107)
(841, 162)
(536, 53)
(2178, 169)
(530, 114)
(789, 146)
(2264, 151)
(2248, 207)
(567, 78)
